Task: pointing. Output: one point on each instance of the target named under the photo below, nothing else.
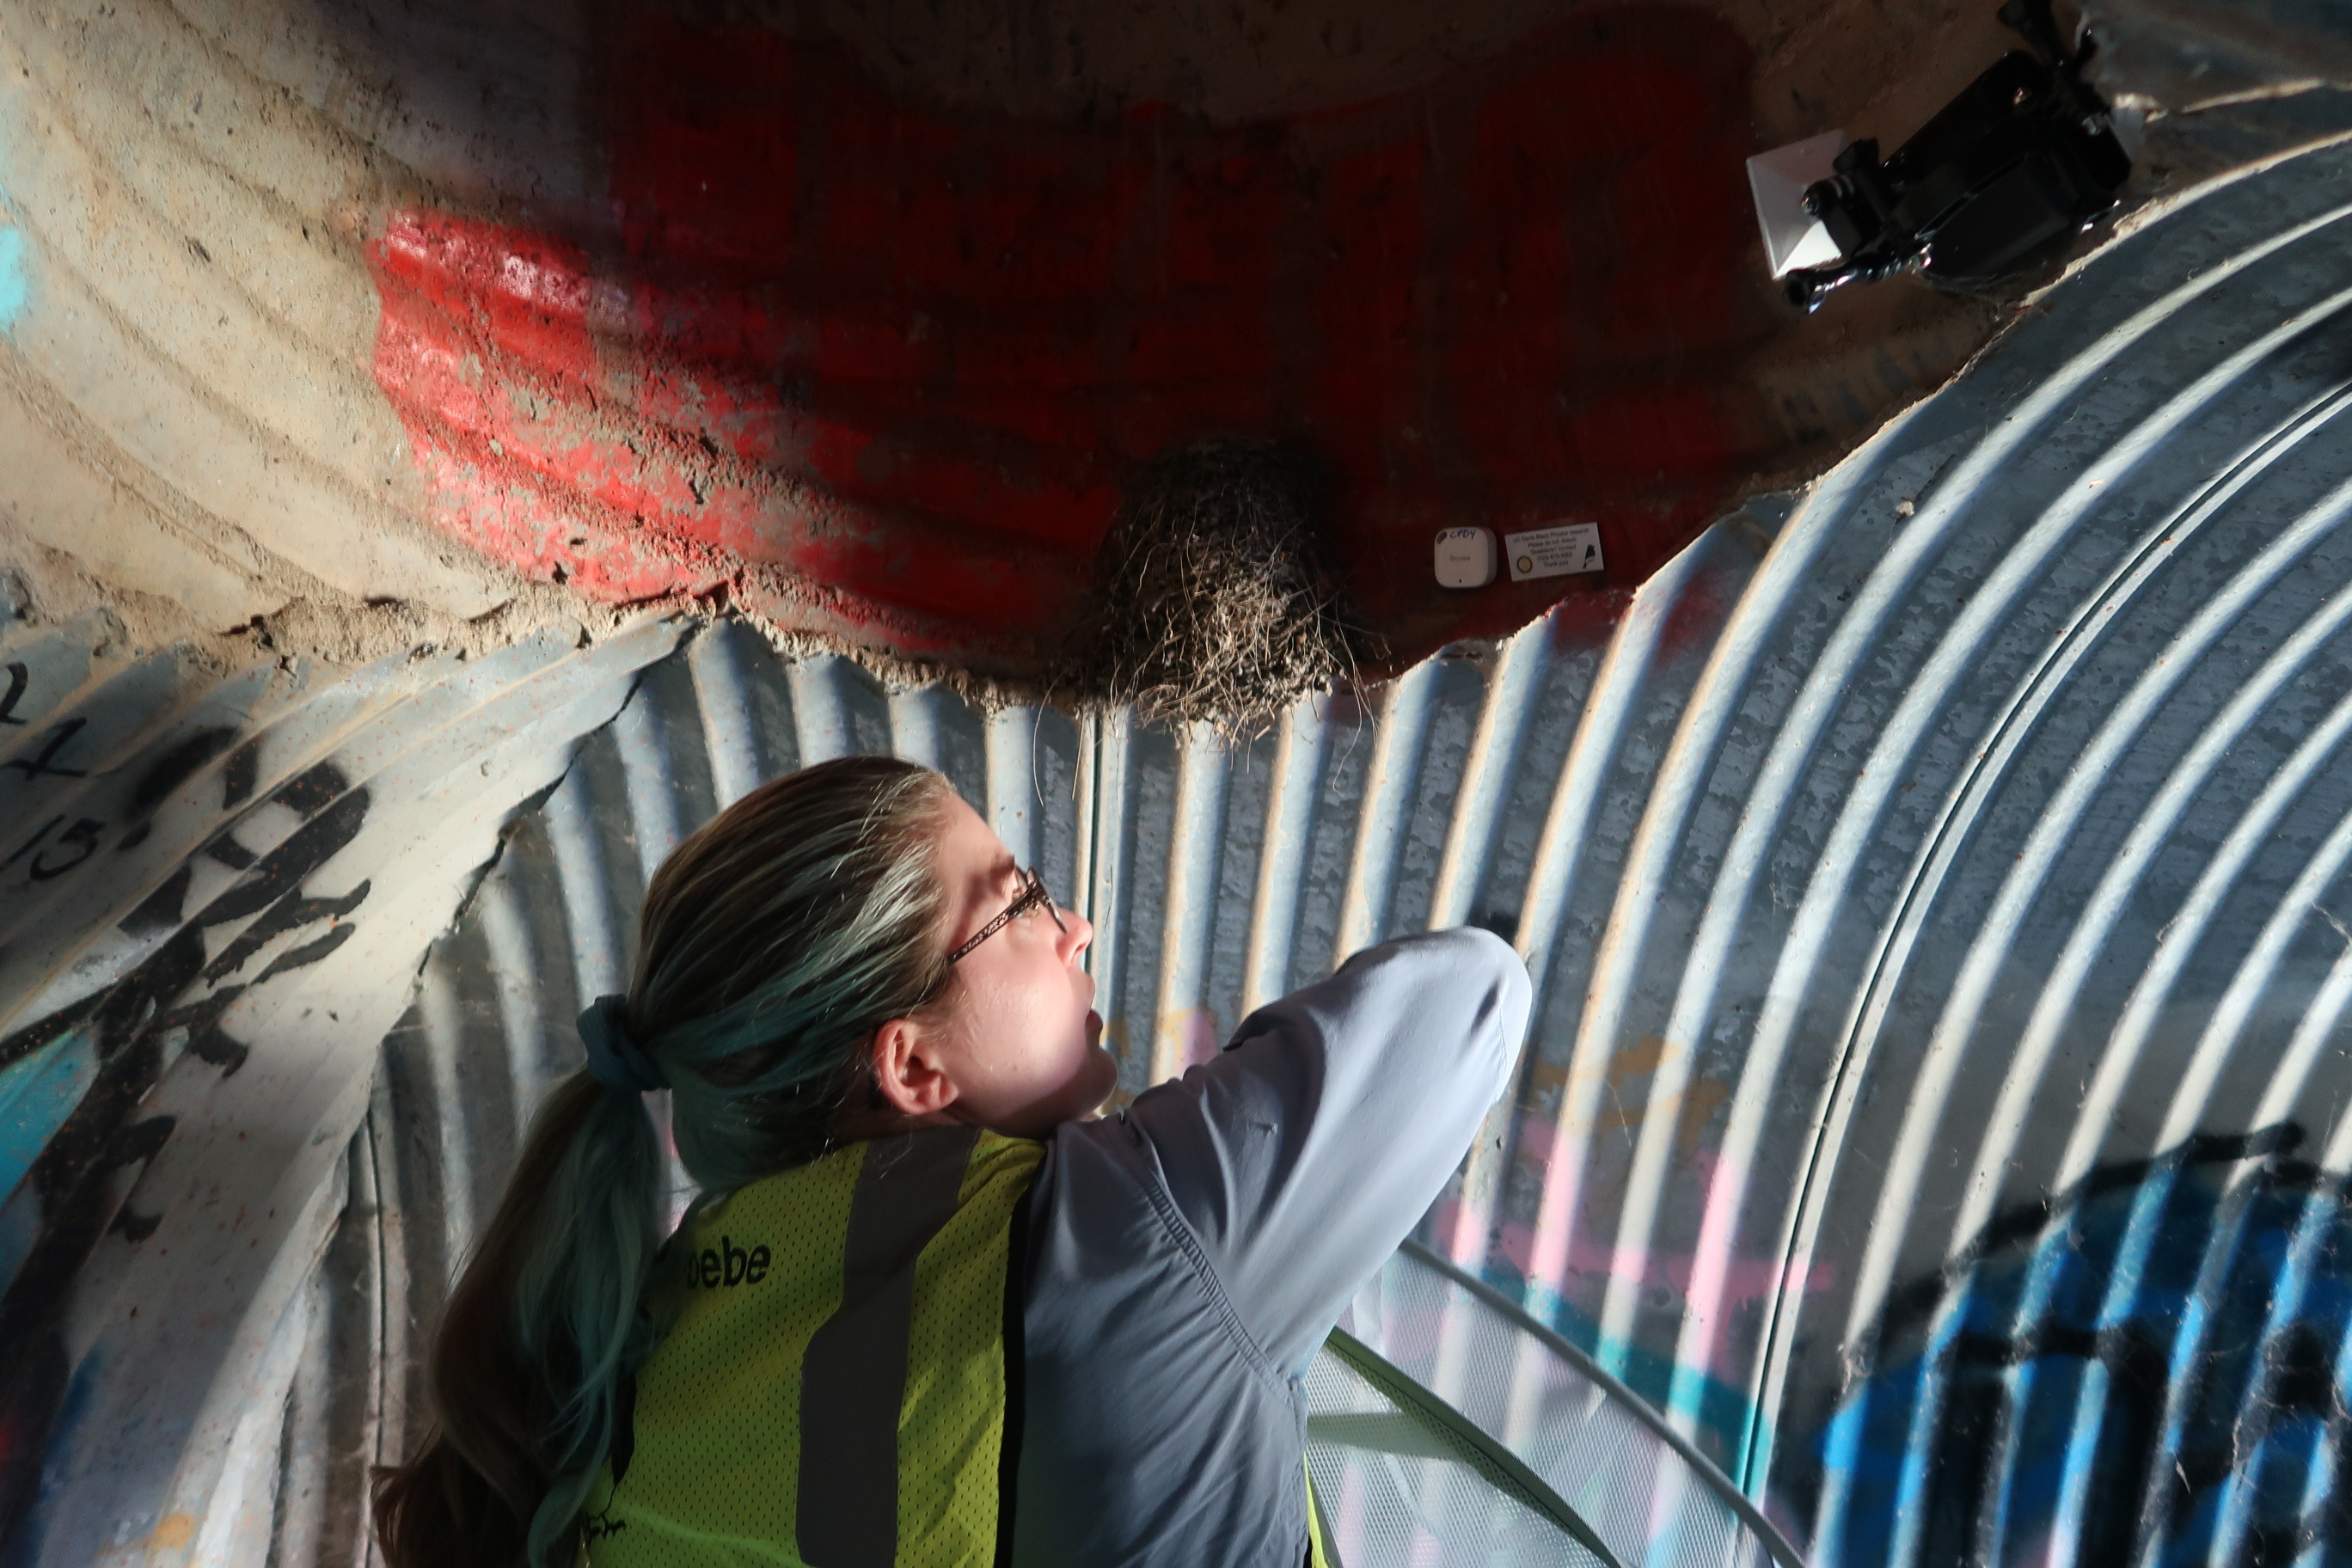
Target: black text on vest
(728, 1264)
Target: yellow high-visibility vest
(834, 1390)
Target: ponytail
(773, 942)
(537, 1332)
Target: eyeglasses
(1033, 894)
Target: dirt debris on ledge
(42, 586)
(49, 587)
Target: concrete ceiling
(344, 325)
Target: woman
(925, 1310)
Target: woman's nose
(1078, 935)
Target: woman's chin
(1101, 1074)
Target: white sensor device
(1465, 557)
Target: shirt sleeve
(1314, 1142)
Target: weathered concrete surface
(344, 325)
(186, 419)
(203, 429)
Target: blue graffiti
(16, 290)
(37, 1094)
(2155, 1368)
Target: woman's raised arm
(1314, 1143)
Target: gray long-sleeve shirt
(1187, 1256)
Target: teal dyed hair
(774, 943)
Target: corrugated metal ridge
(1929, 1096)
(215, 920)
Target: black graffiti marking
(207, 1041)
(308, 793)
(223, 848)
(2137, 1370)
(243, 770)
(37, 1380)
(116, 1012)
(1954, 1501)
(281, 870)
(139, 1143)
(176, 766)
(161, 908)
(309, 954)
(19, 677)
(2303, 1376)
(75, 1175)
(291, 913)
(168, 773)
(314, 790)
(54, 742)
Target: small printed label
(1553, 551)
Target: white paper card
(1553, 551)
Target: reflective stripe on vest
(1319, 1551)
(839, 1389)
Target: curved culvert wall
(365, 321)
(1937, 891)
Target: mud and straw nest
(1215, 600)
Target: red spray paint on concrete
(880, 368)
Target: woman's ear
(906, 1070)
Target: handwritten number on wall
(81, 838)
(26, 847)
(78, 843)
(54, 742)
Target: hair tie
(615, 1059)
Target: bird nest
(1214, 598)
